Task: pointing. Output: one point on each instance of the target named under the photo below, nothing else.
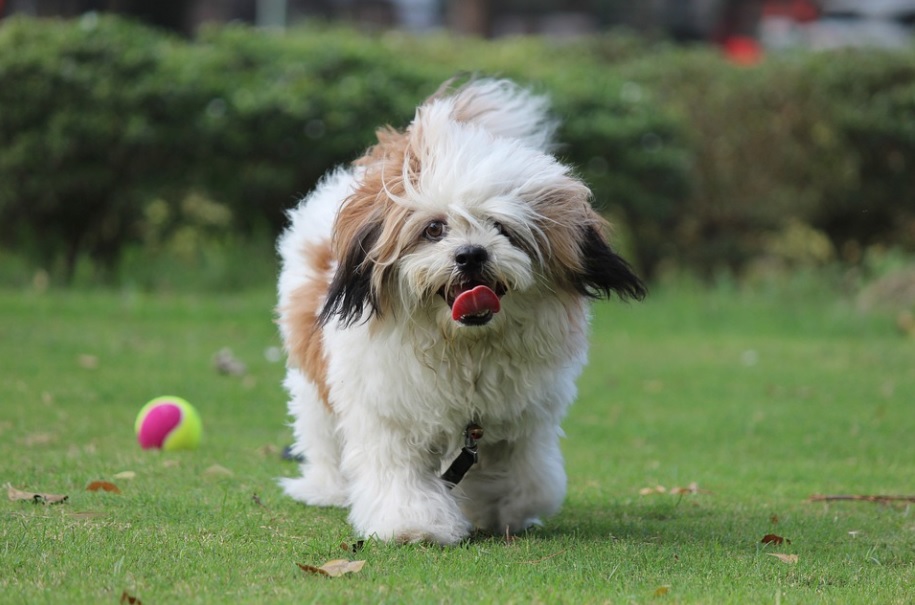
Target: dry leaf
(334, 568)
(660, 591)
(38, 498)
(338, 567)
(354, 547)
(647, 491)
(773, 519)
(774, 539)
(692, 488)
(268, 451)
(130, 599)
(103, 486)
(789, 559)
(87, 361)
(312, 569)
(218, 471)
(125, 475)
(38, 439)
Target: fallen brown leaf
(773, 519)
(36, 497)
(87, 361)
(660, 591)
(103, 486)
(859, 498)
(130, 599)
(38, 439)
(692, 488)
(774, 539)
(218, 471)
(789, 559)
(268, 451)
(334, 568)
(648, 491)
(355, 547)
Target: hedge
(116, 136)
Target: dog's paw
(443, 524)
(316, 488)
(442, 535)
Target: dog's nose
(470, 258)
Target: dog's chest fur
(432, 383)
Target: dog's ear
(351, 290)
(367, 230)
(602, 270)
(580, 257)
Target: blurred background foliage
(131, 156)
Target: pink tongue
(475, 302)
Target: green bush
(281, 110)
(117, 138)
(85, 133)
(252, 119)
(824, 139)
(870, 98)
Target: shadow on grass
(663, 520)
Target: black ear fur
(351, 288)
(604, 271)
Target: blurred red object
(743, 50)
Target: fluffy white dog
(442, 282)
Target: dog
(434, 307)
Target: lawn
(706, 420)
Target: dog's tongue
(475, 302)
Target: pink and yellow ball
(168, 423)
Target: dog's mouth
(473, 302)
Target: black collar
(467, 458)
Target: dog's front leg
(516, 484)
(395, 491)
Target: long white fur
(404, 385)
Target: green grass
(761, 398)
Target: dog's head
(465, 207)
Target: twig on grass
(859, 498)
(542, 559)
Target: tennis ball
(168, 423)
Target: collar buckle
(469, 455)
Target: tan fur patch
(305, 345)
(563, 215)
(389, 165)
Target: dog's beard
(431, 283)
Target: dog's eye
(434, 231)
(501, 228)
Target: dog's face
(449, 218)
